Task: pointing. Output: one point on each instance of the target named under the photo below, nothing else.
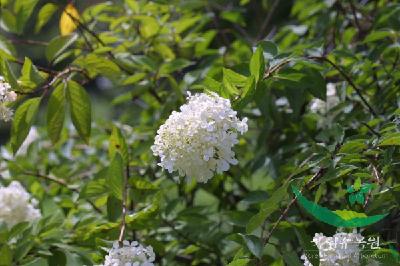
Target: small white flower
(342, 249)
(16, 205)
(6, 96)
(197, 141)
(130, 254)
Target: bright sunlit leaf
(68, 20)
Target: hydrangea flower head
(342, 249)
(197, 141)
(16, 205)
(6, 96)
(130, 254)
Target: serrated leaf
(115, 176)
(118, 144)
(257, 64)
(56, 112)
(80, 106)
(331, 217)
(45, 14)
(22, 122)
(69, 20)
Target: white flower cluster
(198, 140)
(319, 106)
(6, 96)
(342, 249)
(16, 206)
(130, 254)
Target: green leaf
(234, 77)
(22, 122)
(378, 35)
(45, 14)
(23, 9)
(254, 244)
(315, 83)
(174, 65)
(148, 26)
(390, 140)
(56, 112)
(117, 144)
(309, 247)
(292, 259)
(267, 208)
(80, 106)
(351, 219)
(357, 184)
(115, 176)
(58, 45)
(31, 76)
(239, 262)
(9, 20)
(37, 262)
(5, 255)
(247, 93)
(114, 209)
(8, 75)
(98, 65)
(257, 64)
(270, 49)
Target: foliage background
(104, 90)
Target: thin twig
(349, 80)
(271, 70)
(373, 131)
(33, 42)
(356, 22)
(62, 183)
(267, 20)
(43, 69)
(265, 240)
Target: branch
(349, 80)
(62, 183)
(43, 69)
(265, 240)
(267, 20)
(33, 42)
(271, 70)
